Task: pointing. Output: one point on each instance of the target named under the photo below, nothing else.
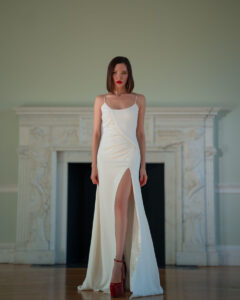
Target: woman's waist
(107, 134)
(115, 140)
(118, 152)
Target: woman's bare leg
(121, 210)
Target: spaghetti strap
(136, 99)
(104, 98)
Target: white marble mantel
(180, 137)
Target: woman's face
(120, 75)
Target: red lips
(119, 81)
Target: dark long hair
(111, 66)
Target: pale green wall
(56, 53)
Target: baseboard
(9, 254)
(228, 255)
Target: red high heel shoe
(117, 288)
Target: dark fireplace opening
(80, 210)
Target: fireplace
(181, 139)
(80, 209)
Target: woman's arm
(96, 129)
(140, 129)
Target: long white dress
(119, 150)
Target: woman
(121, 255)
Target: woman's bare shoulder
(100, 96)
(139, 95)
(141, 99)
(99, 99)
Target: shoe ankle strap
(118, 260)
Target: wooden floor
(25, 282)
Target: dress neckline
(119, 108)
(116, 109)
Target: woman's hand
(94, 175)
(143, 176)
